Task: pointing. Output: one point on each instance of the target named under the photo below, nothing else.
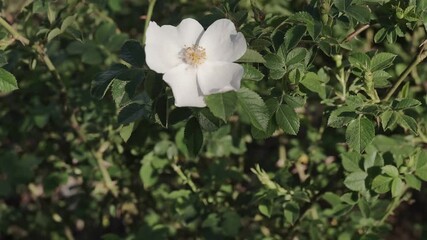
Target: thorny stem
(151, 4)
(422, 54)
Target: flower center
(194, 55)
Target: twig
(355, 33)
(15, 34)
(187, 180)
(395, 203)
(39, 49)
(422, 54)
(105, 175)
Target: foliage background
(76, 167)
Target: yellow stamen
(194, 55)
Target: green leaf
(273, 61)
(212, 222)
(68, 21)
(288, 120)
(252, 73)
(92, 56)
(390, 171)
(103, 81)
(51, 12)
(54, 33)
(380, 35)
(382, 184)
(133, 112)
(421, 170)
(126, 131)
(360, 60)
(294, 101)
(133, 53)
(179, 114)
(231, 223)
(404, 92)
(147, 172)
(405, 103)
(413, 182)
(222, 105)
(265, 210)
(360, 133)
(193, 136)
(254, 107)
(389, 119)
(77, 48)
(382, 61)
(293, 36)
(124, 90)
(332, 198)
(8, 82)
(356, 181)
(104, 32)
(208, 121)
(341, 116)
(251, 56)
(116, 42)
(351, 161)
(360, 13)
(277, 73)
(291, 212)
(312, 82)
(380, 79)
(342, 5)
(3, 59)
(295, 56)
(408, 122)
(397, 187)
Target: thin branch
(355, 33)
(37, 47)
(187, 180)
(422, 54)
(105, 175)
(13, 32)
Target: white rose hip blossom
(196, 63)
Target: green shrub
(325, 139)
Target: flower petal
(222, 42)
(164, 44)
(182, 80)
(162, 48)
(189, 31)
(218, 77)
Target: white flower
(195, 62)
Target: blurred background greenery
(69, 170)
